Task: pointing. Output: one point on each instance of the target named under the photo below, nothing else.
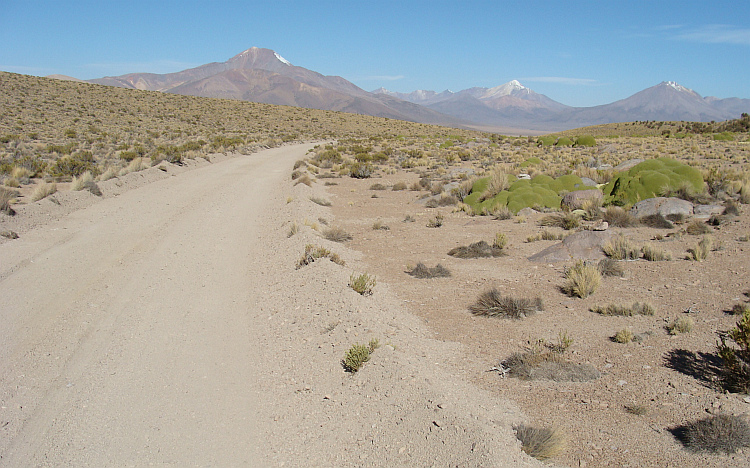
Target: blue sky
(581, 53)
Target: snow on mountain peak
(282, 59)
(504, 89)
(678, 87)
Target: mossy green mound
(564, 141)
(542, 191)
(585, 140)
(545, 141)
(650, 179)
(532, 161)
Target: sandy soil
(672, 376)
(166, 324)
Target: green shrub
(74, 166)
(649, 179)
(723, 136)
(564, 141)
(363, 283)
(736, 359)
(358, 355)
(361, 170)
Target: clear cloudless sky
(581, 53)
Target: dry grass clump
(492, 303)
(498, 182)
(502, 212)
(541, 443)
(337, 234)
(109, 173)
(313, 253)
(637, 308)
(380, 226)
(740, 308)
(424, 272)
(43, 190)
(657, 221)
(436, 222)
(621, 248)
(293, 229)
(638, 410)
(85, 182)
(582, 280)
(362, 283)
(320, 201)
(655, 253)
(700, 252)
(545, 361)
(304, 179)
(479, 249)
(565, 220)
(715, 434)
(697, 228)
(398, 186)
(623, 336)
(6, 197)
(610, 267)
(616, 216)
(680, 325)
(378, 186)
(136, 165)
(545, 235)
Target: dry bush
(657, 221)
(541, 443)
(637, 308)
(447, 200)
(655, 253)
(424, 272)
(320, 201)
(618, 217)
(581, 280)
(697, 228)
(294, 229)
(502, 212)
(491, 303)
(379, 226)
(398, 186)
(592, 209)
(337, 234)
(313, 253)
(621, 248)
(565, 220)
(680, 325)
(85, 182)
(610, 267)
(545, 235)
(378, 186)
(715, 434)
(479, 249)
(638, 410)
(43, 190)
(700, 252)
(436, 222)
(109, 173)
(6, 197)
(740, 309)
(623, 336)
(304, 179)
(497, 183)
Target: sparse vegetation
(582, 280)
(313, 253)
(358, 355)
(492, 303)
(623, 336)
(436, 222)
(700, 252)
(423, 271)
(610, 267)
(320, 201)
(43, 190)
(362, 283)
(478, 249)
(680, 325)
(736, 359)
(337, 234)
(564, 220)
(716, 434)
(541, 443)
(655, 253)
(637, 308)
(621, 248)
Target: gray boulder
(705, 211)
(583, 245)
(663, 206)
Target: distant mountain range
(262, 75)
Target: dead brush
(541, 443)
(479, 249)
(492, 303)
(313, 252)
(564, 220)
(6, 197)
(700, 252)
(657, 221)
(616, 216)
(621, 248)
(698, 228)
(337, 234)
(716, 434)
(422, 271)
(610, 267)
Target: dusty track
(168, 326)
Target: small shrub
(720, 433)
(491, 303)
(398, 186)
(697, 228)
(337, 234)
(436, 222)
(736, 362)
(409, 219)
(6, 196)
(680, 325)
(700, 251)
(379, 226)
(541, 443)
(638, 308)
(294, 229)
(501, 240)
(424, 272)
(623, 336)
(655, 253)
(320, 201)
(361, 170)
(540, 364)
(545, 235)
(43, 190)
(502, 212)
(313, 253)
(740, 309)
(304, 179)
(498, 182)
(582, 280)
(657, 221)
(479, 249)
(565, 220)
(358, 355)
(610, 267)
(621, 248)
(363, 283)
(616, 216)
(378, 186)
(85, 182)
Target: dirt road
(168, 326)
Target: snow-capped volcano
(507, 89)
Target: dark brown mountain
(262, 75)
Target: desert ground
(166, 323)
